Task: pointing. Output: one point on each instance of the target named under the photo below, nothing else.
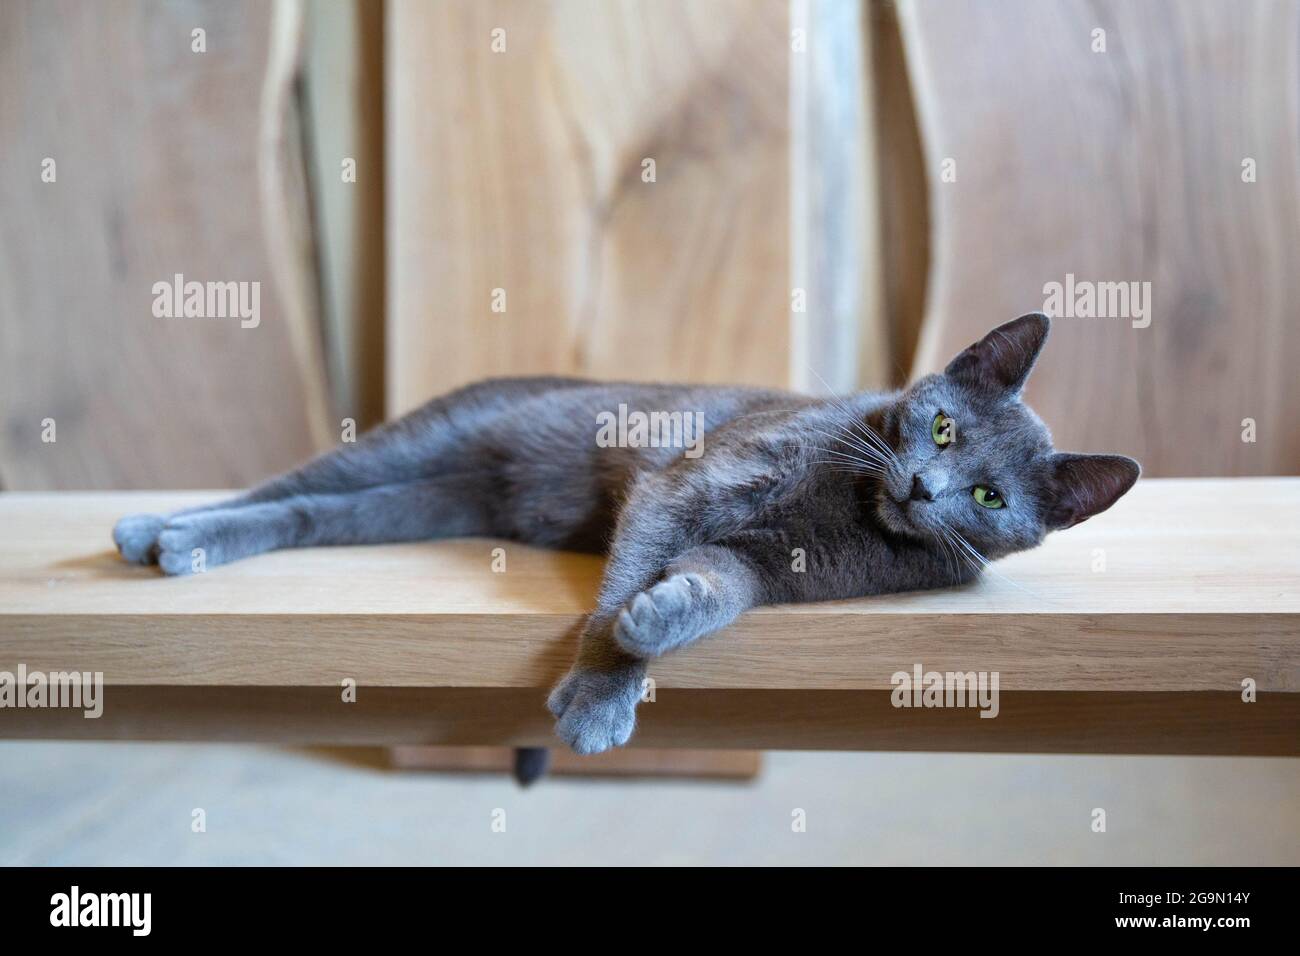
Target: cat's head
(971, 457)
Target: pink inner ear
(1088, 485)
(1005, 357)
(1070, 508)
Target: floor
(131, 803)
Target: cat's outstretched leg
(430, 441)
(649, 606)
(449, 506)
(388, 455)
(595, 703)
(702, 591)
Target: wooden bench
(1132, 633)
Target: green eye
(988, 497)
(942, 429)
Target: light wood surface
(157, 161)
(1201, 589)
(522, 170)
(1123, 166)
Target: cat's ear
(1003, 359)
(1085, 485)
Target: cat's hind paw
(189, 544)
(594, 710)
(136, 537)
(668, 615)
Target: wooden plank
(1027, 722)
(156, 151)
(904, 210)
(1200, 590)
(622, 762)
(1123, 165)
(287, 205)
(522, 170)
(344, 111)
(839, 333)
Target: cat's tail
(531, 764)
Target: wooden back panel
(524, 170)
(156, 151)
(1128, 164)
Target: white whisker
(950, 555)
(865, 467)
(857, 446)
(855, 421)
(986, 565)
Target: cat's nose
(920, 490)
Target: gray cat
(877, 493)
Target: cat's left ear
(1003, 359)
(1085, 485)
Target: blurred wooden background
(522, 141)
(1124, 165)
(840, 191)
(156, 165)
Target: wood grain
(156, 150)
(344, 112)
(286, 206)
(1028, 722)
(1201, 589)
(1124, 165)
(901, 186)
(522, 170)
(840, 337)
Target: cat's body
(792, 499)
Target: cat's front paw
(595, 710)
(136, 537)
(670, 614)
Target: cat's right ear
(1085, 485)
(1003, 359)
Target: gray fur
(859, 487)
